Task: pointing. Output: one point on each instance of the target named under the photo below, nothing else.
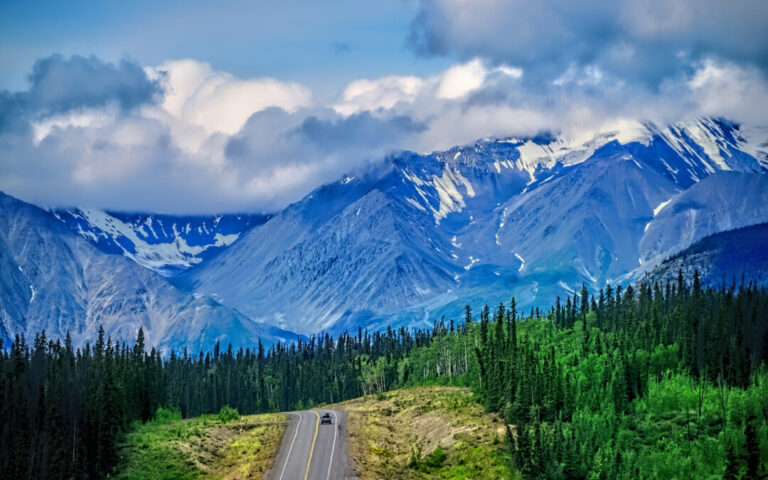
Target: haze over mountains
(403, 243)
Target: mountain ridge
(485, 218)
(55, 280)
(417, 236)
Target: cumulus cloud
(59, 85)
(181, 137)
(219, 102)
(455, 83)
(204, 142)
(644, 42)
(381, 93)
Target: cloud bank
(182, 137)
(641, 42)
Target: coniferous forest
(652, 381)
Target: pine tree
(752, 449)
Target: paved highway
(312, 451)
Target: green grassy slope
(426, 433)
(208, 446)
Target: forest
(650, 381)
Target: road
(311, 451)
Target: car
(325, 419)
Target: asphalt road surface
(312, 451)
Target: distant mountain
(167, 244)
(421, 235)
(409, 240)
(55, 280)
(721, 259)
(723, 201)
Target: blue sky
(325, 43)
(200, 106)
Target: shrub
(164, 416)
(436, 458)
(228, 414)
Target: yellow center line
(312, 447)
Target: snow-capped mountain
(55, 280)
(166, 244)
(402, 243)
(424, 234)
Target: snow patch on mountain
(447, 189)
(163, 243)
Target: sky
(208, 107)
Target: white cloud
(730, 90)
(455, 83)
(213, 142)
(85, 117)
(385, 92)
(459, 80)
(217, 101)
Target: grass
(209, 446)
(426, 433)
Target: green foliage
(165, 416)
(436, 458)
(662, 381)
(433, 461)
(202, 447)
(649, 383)
(228, 414)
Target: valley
(409, 240)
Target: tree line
(64, 409)
(652, 381)
(657, 381)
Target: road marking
(291, 448)
(312, 447)
(333, 447)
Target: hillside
(403, 241)
(721, 259)
(53, 279)
(210, 446)
(426, 433)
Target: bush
(415, 461)
(164, 416)
(436, 458)
(228, 414)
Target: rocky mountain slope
(410, 239)
(421, 235)
(55, 280)
(724, 258)
(167, 244)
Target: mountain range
(56, 280)
(410, 239)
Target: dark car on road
(325, 419)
